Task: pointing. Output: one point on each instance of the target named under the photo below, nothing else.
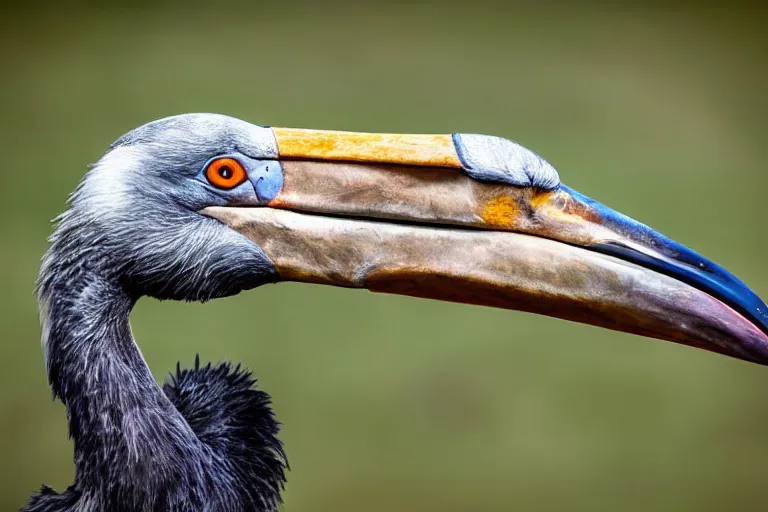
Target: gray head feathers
(132, 228)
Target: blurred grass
(392, 403)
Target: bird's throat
(119, 418)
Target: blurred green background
(391, 403)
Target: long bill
(482, 220)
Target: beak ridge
(482, 220)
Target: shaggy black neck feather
(131, 443)
(206, 441)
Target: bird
(196, 207)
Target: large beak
(482, 220)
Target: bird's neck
(119, 418)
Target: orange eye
(225, 173)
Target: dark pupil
(225, 172)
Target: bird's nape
(201, 206)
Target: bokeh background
(391, 403)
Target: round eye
(225, 173)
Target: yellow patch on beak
(392, 148)
(501, 212)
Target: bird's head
(201, 206)
(136, 214)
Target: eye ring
(225, 173)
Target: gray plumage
(207, 441)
